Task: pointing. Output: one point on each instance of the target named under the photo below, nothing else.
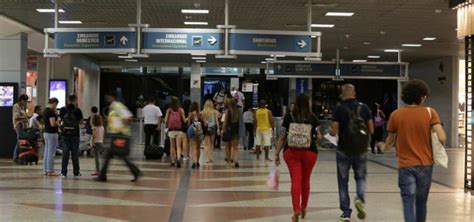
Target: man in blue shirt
(340, 123)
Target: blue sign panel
(385, 70)
(209, 41)
(265, 44)
(307, 69)
(92, 41)
(301, 86)
(221, 70)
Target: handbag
(120, 145)
(440, 157)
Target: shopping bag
(273, 180)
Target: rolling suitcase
(154, 152)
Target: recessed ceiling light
(340, 14)
(124, 57)
(199, 58)
(198, 54)
(194, 11)
(429, 38)
(131, 60)
(278, 56)
(269, 59)
(359, 60)
(383, 32)
(322, 25)
(438, 11)
(313, 36)
(392, 50)
(48, 10)
(201, 61)
(195, 23)
(411, 45)
(70, 22)
(366, 43)
(263, 62)
(373, 57)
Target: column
(13, 56)
(195, 91)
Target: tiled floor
(214, 193)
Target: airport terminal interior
(236, 110)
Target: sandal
(303, 213)
(296, 217)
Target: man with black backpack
(71, 121)
(352, 122)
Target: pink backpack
(174, 120)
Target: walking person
(152, 115)
(195, 122)
(118, 125)
(219, 99)
(98, 132)
(231, 127)
(210, 117)
(410, 128)
(249, 129)
(379, 122)
(175, 122)
(50, 135)
(300, 157)
(70, 133)
(263, 125)
(20, 121)
(349, 114)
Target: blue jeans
(18, 131)
(71, 145)
(359, 165)
(50, 144)
(415, 183)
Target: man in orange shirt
(410, 127)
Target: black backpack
(356, 136)
(70, 124)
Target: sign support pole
(139, 27)
(226, 28)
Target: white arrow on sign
(124, 40)
(212, 40)
(301, 43)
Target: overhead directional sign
(258, 42)
(221, 71)
(183, 41)
(326, 69)
(93, 40)
(389, 69)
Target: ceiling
(402, 21)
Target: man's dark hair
(94, 109)
(151, 99)
(72, 98)
(262, 104)
(23, 97)
(413, 91)
(37, 109)
(53, 100)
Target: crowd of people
(223, 119)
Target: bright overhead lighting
(313, 36)
(340, 14)
(269, 59)
(392, 50)
(366, 43)
(194, 11)
(70, 22)
(278, 56)
(411, 45)
(131, 60)
(322, 25)
(201, 61)
(195, 23)
(199, 58)
(124, 57)
(359, 60)
(198, 54)
(429, 38)
(373, 57)
(47, 10)
(263, 62)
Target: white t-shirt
(152, 114)
(248, 117)
(34, 122)
(239, 96)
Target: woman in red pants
(300, 152)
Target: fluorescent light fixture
(269, 59)
(70, 22)
(199, 58)
(194, 11)
(278, 56)
(359, 60)
(124, 57)
(48, 10)
(411, 45)
(131, 60)
(313, 36)
(195, 23)
(366, 43)
(201, 61)
(392, 50)
(198, 54)
(263, 62)
(429, 38)
(340, 14)
(373, 57)
(322, 25)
